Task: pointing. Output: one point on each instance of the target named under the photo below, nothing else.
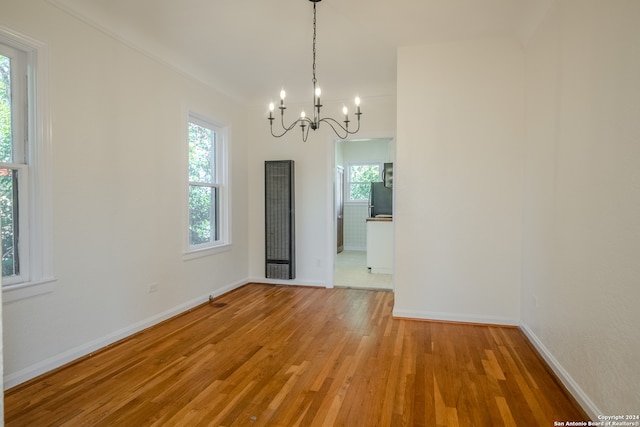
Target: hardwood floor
(291, 356)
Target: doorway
(358, 162)
(339, 190)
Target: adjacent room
(156, 270)
(364, 213)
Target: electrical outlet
(153, 287)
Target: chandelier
(307, 123)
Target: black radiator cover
(279, 196)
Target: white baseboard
(292, 282)
(572, 387)
(15, 378)
(455, 317)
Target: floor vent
(218, 304)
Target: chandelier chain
(314, 47)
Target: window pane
(9, 222)
(201, 154)
(5, 110)
(203, 227)
(359, 191)
(364, 173)
(360, 179)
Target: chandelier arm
(282, 134)
(305, 135)
(286, 128)
(303, 122)
(331, 122)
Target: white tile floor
(351, 271)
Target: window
(12, 163)
(208, 225)
(25, 158)
(360, 178)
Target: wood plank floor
(267, 355)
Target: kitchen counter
(383, 219)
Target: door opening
(358, 163)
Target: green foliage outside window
(201, 154)
(8, 177)
(5, 110)
(360, 179)
(202, 198)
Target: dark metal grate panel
(279, 219)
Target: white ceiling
(250, 49)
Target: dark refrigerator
(380, 200)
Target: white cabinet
(380, 245)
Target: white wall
(582, 199)
(315, 176)
(458, 181)
(370, 150)
(119, 190)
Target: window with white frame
(24, 167)
(208, 200)
(359, 180)
(13, 167)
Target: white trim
(201, 253)
(24, 290)
(293, 282)
(455, 317)
(72, 354)
(571, 385)
(222, 183)
(331, 243)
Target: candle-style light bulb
(345, 110)
(271, 106)
(357, 101)
(318, 92)
(302, 115)
(282, 96)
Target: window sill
(201, 253)
(11, 293)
